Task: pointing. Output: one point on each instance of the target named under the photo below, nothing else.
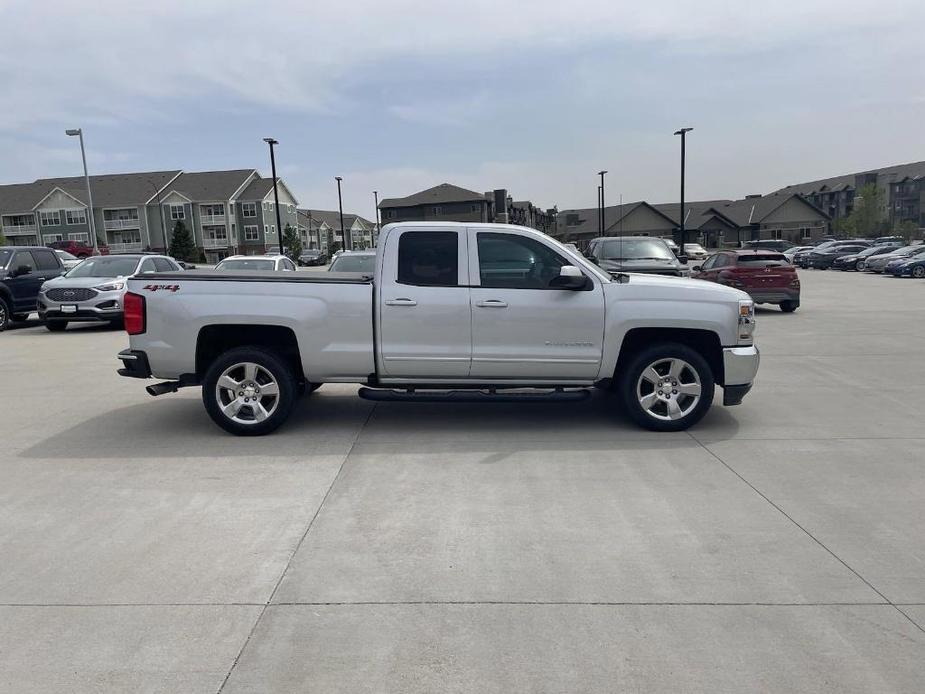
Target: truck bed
(264, 276)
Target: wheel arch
(214, 340)
(706, 342)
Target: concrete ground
(778, 546)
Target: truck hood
(640, 265)
(681, 289)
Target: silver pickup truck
(453, 311)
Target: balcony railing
(132, 247)
(215, 243)
(117, 224)
(212, 219)
(19, 229)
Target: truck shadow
(334, 422)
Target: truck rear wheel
(249, 391)
(666, 387)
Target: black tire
(859, 266)
(632, 373)
(789, 306)
(274, 368)
(918, 272)
(4, 315)
(56, 326)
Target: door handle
(492, 303)
(401, 302)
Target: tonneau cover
(259, 276)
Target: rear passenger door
(24, 288)
(424, 321)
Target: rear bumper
(740, 365)
(773, 296)
(134, 363)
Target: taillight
(134, 311)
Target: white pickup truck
(453, 311)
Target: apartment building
(447, 202)
(225, 211)
(322, 230)
(903, 187)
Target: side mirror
(697, 268)
(570, 277)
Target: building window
(289, 207)
(806, 233)
(78, 216)
(50, 219)
(217, 210)
(177, 212)
(390, 214)
(79, 237)
(53, 237)
(436, 209)
(266, 229)
(777, 234)
(251, 233)
(249, 209)
(474, 207)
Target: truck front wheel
(249, 391)
(666, 387)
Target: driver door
(522, 328)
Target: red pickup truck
(78, 249)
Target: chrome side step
(410, 395)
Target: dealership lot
(366, 547)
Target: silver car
(93, 290)
(878, 263)
(354, 261)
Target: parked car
(312, 256)
(778, 245)
(908, 267)
(878, 263)
(894, 240)
(519, 309)
(67, 259)
(855, 261)
(354, 261)
(694, 251)
(94, 290)
(793, 250)
(802, 259)
(646, 254)
(675, 248)
(823, 259)
(78, 249)
(23, 269)
(236, 263)
(891, 266)
(767, 276)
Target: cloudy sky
(399, 95)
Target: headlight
(746, 320)
(110, 286)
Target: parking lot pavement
(474, 548)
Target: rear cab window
(428, 258)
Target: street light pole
(601, 174)
(78, 132)
(340, 207)
(279, 222)
(683, 133)
(600, 214)
(160, 212)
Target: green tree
(867, 216)
(182, 246)
(292, 245)
(844, 226)
(906, 229)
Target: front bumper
(740, 365)
(105, 306)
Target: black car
(803, 259)
(823, 259)
(646, 254)
(312, 256)
(855, 261)
(23, 269)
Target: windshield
(247, 264)
(875, 251)
(764, 260)
(105, 266)
(354, 263)
(636, 249)
(5, 256)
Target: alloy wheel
(668, 389)
(918, 271)
(247, 393)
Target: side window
(516, 262)
(163, 265)
(45, 260)
(23, 258)
(428, 258)
(147, 266)
(709, 262)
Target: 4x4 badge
(165, 287)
